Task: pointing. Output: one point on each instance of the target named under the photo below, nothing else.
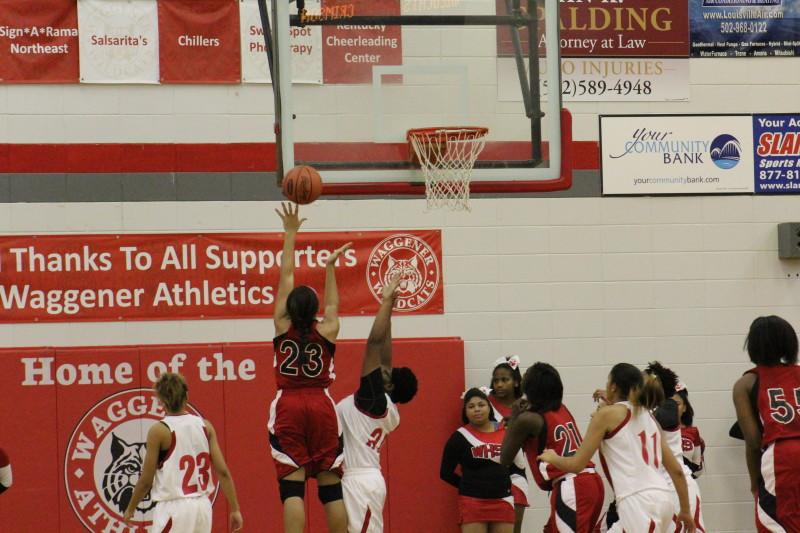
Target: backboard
(351, 77)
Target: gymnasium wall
(243, 113)
(579, 282)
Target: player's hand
(390, 291)
(128, 516)
(236, 521)
(599, 396)
(519, 406)
(685, 518)
(548, 456)
(290, 217)
(331, 262)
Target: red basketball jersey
(778, 402)
(303, 362)
(560, 433)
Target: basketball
(302, 185)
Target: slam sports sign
(686, 154)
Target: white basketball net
(447, 156)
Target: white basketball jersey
(631, 454)
(185, 472)
(675, 443)
(364, 433)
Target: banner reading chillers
(223, 275)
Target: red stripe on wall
(235, 157)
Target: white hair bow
(512, 361)
(485, 390)
(680, 386)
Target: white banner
(118, 41)
(689, 154)
(605, 79)
(306, 47)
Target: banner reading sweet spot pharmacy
(685, 154)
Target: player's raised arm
(225, 479)
(291, 225)
(158, 437)
(379, 343)
(329, 327)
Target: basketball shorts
(304, 432)
(576, 504)
(695, 505)
(364, 491)
(519, 490)
(649, 511)
(778, 506)
(472, 510)
(184, 515)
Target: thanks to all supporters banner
(745, 28)
(39, 41)
(75, 423)
(223, 275)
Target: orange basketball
(302, 185)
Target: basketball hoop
(447, 156)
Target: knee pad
(329, 493)
(291, 489)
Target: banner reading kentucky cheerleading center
(687, 154)
(223, 275)
(739, 28)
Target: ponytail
(172, 390)
(641, 390)
(302, 306)
(651, 394)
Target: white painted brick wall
(582, 283)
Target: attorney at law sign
(676, 154)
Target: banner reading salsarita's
(777, 159)
(742, 28)
(223, 275)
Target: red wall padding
(38, 421)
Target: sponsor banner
(39, 41)
(745, 28)
(118, 41)
(350, 52)
(690, 154)
(611, 29)
(605, 79)
(199, 41)
(87, 412)
(777, 153)
(224, 275)
(306, 47)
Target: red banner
(223, 275)
(350, 52)
(39, 41)
(78, 448)
(636, 28)
(199, 41)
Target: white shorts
(649, 511)
(695, 504)
(364, 491)
(184, 515)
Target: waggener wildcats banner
(196, 276)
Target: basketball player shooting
(368, 416)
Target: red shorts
(484, 510)
(304, 432)
(778, 506)
(576, 503)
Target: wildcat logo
(414, 261)
(104, 458)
